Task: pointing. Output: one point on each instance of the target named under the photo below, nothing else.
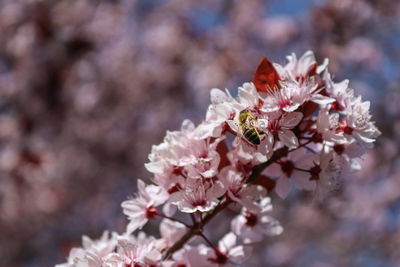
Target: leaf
(266, 78)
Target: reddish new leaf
(266, 77)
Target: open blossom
(223, 107)
(92, 253)
(340, 92)
(131, 251)
(358, 122)
(142, 208)
(183, 154)
(247, 154)
(327, 126)
(192, 256)
(281, 125)
(170, 233)
(251, 226)
(197, 195)
(297, 85)
(301, 68)
(244, 194)
(229, 253)
(292, 170)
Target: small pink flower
(193, 256)
(197, 195)
(170, 233)
(251, 227)
(358, 123)
(240, 192)
(142, 208)
(132, 251)
(292, 170)
(228, 253)
(326, 127)
(281, 125)
(93, 252)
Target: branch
(257, 170)
(197, 228)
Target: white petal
(301, 181)
(283, 187)
(136, 224)
(218, 96)
(354, 150)
(291, 119)
(305, 61)
(239, 254)
(227, 242)
(288, 138)
(323, 66)
(274, 170)
(155, 167)
(234, 126)
(169, 209)
(321, 100)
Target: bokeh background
(86, 87)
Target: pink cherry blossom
(229, 253)
(238, 191)
(197, 195)
(281, 125)
(142, 208)
(292, 170)
(251, 227)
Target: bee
(247, 126)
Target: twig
(194, 230)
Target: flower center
(220, 258)
(287, 167)
(273, 126)
(339, 149)
(151, 212)
(317, 138)
(251, 219)
(314, 171)
(348, 130)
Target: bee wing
(261, 126)
(238, 129)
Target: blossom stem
(196, 228)
(207, 240)
(302, 170)
(257, 170)
(310, 149)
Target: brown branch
(257, 170)
(197, 228)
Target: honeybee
(247, 126)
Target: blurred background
(86, 87)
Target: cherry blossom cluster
(306, 131)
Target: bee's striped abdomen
(252, 135)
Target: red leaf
(266, 77)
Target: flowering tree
(292, 126)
